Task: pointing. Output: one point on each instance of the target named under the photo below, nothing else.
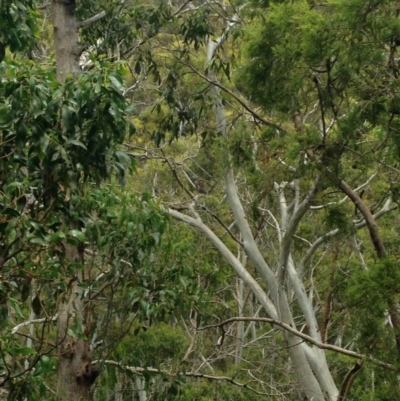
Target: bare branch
(278, 230)
(196, 375)
(92, 20)
(29, 322)
(180, 9)
(303, 336)
(230, 258)
(292, 226)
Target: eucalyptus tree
(277, 122)
(323, 144)
(65, 241)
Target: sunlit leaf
(79, 235)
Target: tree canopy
(199, 200)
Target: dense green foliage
(129, 163)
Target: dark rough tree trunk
(75, 374)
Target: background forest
(199, 200)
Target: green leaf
(15, 305)
(116, 83)
(76, 143)
(131, 110)
(56, 237)
(44, 142)
(97, 88)
(71, 333)
(114, 110)
(156, 237)
(67, 118)
(36, 225)
(43, 390)
(14, 41)
(47, 364)
(65, 156)
(10, 187)
(123, 157)
(37, 106)
(79, 235)
(32, 83)
(38, 240)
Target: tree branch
(291, 228)
(308, 380)
(234, 96)
(348, 380)
(379, 246)
(303, 336)
(29, 322)
(196, 375)
(369, 219)
(91, 20)
(357, 224)
(366, 183)
(230, 258)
